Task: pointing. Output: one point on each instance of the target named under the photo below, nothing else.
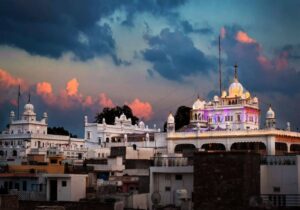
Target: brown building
(225, 180)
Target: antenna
(220, 71)
(18, 101)
(29, 98)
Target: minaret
(235, 72)
(270, 119)
(170, 123)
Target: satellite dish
(155, 197)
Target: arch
(295, 148)
(185, 148)
(280, 148)
(134, 146)
(195, 116)
(1, 153)
(258, 147)
(199, 116)
(213, 147)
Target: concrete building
(171, 181)
(65, 187)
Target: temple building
(29, 136)
(231, 122)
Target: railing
(281, 200)
(278, 160)
(171, 161)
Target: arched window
(195, 116)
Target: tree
(110, 113)
(182, 117)
(60, 131)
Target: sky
(75, 57)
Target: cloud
(105, 101)
(7, 80)
(53, 27)
(174, 55)
(243, 37)
(72, 87)
(223, 32)
(189, 28)
(141, 109)
(43, 88)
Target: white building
(231, 122)
(29, 136)
(65, 187)
(122, 133)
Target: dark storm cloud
(52, 27)
(189, 28)
(255, 76)
(174, 55)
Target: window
(63, 183)
(276, 189)
(178, 177)
(167, 189)
(24, 186)
(238, 117)
(88, 134)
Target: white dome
(216, 98)
(28, 107)
(198, 104)
(270, 114)
(141, 124)
(123, 117)
(255, 100)
(171, 119)
(235, 89)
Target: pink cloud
(7, 80)
(43, 88)
(141, 109)
(72, 87)
(88, 101)
(243, 37)
(282, 61)
(264, 62)
(105, 101)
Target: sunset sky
(76, 56)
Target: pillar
(271, 145)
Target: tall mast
(18, 101)
(220, 71)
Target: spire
(29, 98)
(235, 71)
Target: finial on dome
(235, 71)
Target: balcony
(171, 161)
(278, 160)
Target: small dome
(141, 124)
(270, 113)
(28, 107)
(247, 94)
(216, 98)
(45, 115)
(123, 117)
(12, 113)
(198, 104)
(224, 93)
(236, 89)
(171, 119)
(243, 96)
(255, 100)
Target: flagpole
(18, 101)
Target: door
(53, 190)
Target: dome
(236, 89)
(247, 94)
(171, 119)
(270, 113)
(123, 117)
(28, 107)
(198, 104)
(255, 100)
(224, 93)
(216, 98)
(141, 124)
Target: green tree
(182, 117)
(110, 113)
(60, 131)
